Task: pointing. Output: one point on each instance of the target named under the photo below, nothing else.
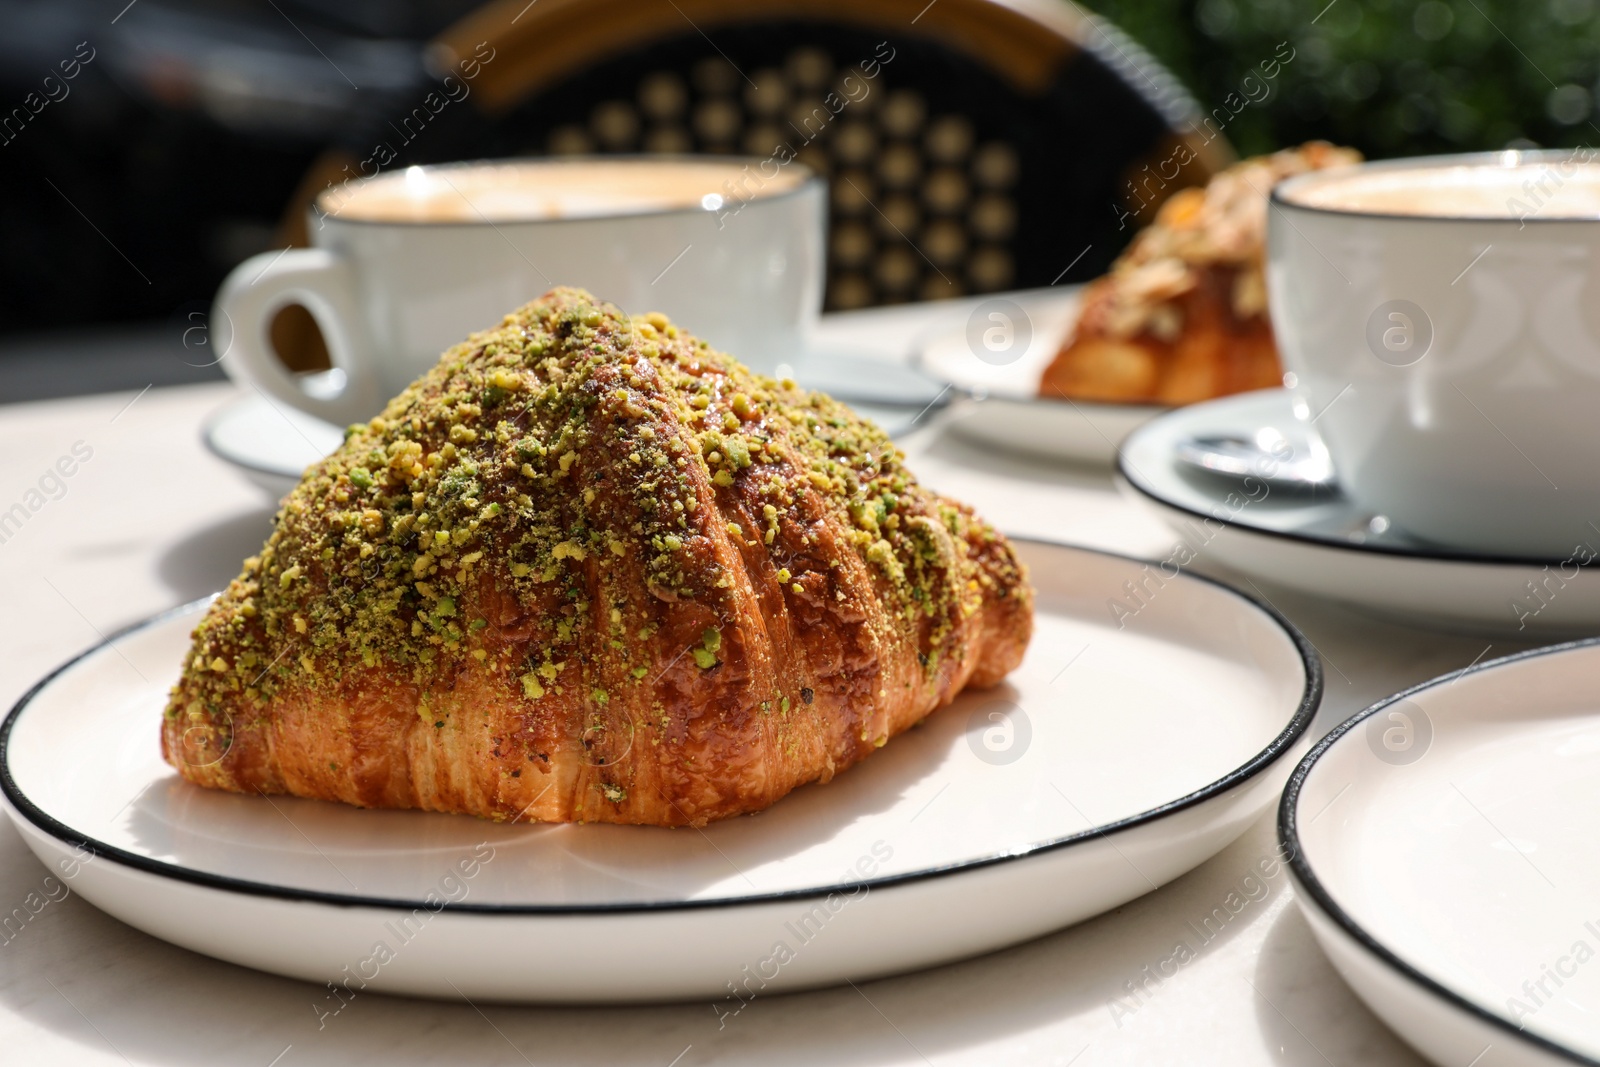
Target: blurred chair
(1002, 143)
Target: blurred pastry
(1182, 315)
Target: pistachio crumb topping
(564, 441)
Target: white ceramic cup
(1451, 362)
(729, 251)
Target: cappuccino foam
(1556, 189)
(552, 189)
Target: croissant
(590, 569)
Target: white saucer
(1443, 843)
(858, 375)
(1003, 407)
(1328, 546)
(270, 442)
(273, 443)
(1117, 757)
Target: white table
(152, 520)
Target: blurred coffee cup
(404, 265)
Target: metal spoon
(1295, 464)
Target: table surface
(151, 519)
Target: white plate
(270, 442)
(1078, 431)
(1329, 546)
(1003, 407)
(1113, 760)
(1444, 842)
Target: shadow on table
(209, 558)
(1308, 1012)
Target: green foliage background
(1390, 77)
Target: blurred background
(148, 147)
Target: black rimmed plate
(1325, 544)
(1134, 742)
(1444, 846)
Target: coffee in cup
(529, 192)
(1519, 190)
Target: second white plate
(1124, 751)
(1443, 845)
(1002, 407)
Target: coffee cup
(1439, 322)
(404, 265)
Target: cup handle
(325, 284)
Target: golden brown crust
(1182, 316)
(590, 569)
